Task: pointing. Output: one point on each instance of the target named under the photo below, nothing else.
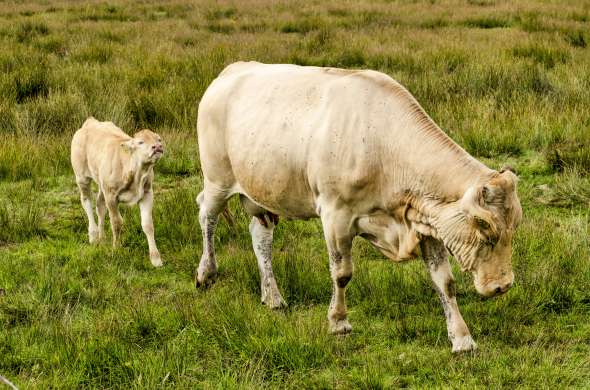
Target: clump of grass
(486, 142)
(488, 22)
(31, 82)
(7, 119)
(396, 62)
(21, 217)
(548, 57)
(571, 189)
(99, 53)
(28, 157)
(568, 155)
(152, 110)
(369, 19)
(434, 23)
(350, 58)
(55, 45)
(112, 36)
(577, 38)
(532, 22)
(58, 115)
(302, 25)
(30, 29)
(221, 26)
(107, 13)
(220, 13)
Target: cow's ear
(473, 202)
(129, 145)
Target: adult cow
(355, 149)
(123, 168)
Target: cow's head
(478, 231)
(146, 146)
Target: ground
(507, 81)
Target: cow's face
(146, 146)
(478, 231)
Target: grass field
(509, 81)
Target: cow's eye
(482, 224)
(140, 142)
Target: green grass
(509, 83)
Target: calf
(123, 169)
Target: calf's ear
(129, 145)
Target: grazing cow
(355, 149)
(123, 168)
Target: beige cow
(123, 168)
(355, 149)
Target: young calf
(123, 168)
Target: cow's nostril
(498, 290)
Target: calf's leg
(145, 207)
(211, 201)
(115, 217)
(339, 241)
(101, 209)
(85, 195)
(436, 258)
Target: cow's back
(95, 144)
(287, 134)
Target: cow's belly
(275, 186)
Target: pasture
(509, 81)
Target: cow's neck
(427, 163)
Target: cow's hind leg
(261, 229)
(211, 201)
(436, 259)
(85, 196)
(336, 225)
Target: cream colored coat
(355, 149)
(122, 167)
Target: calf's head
(146, 146)
(478, 231)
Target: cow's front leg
(339, 240)
(145, 207)
(437, 260)
(262, 244)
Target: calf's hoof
(340, 327)
(274, 300)
(464, 344)
(93, 237)
(156, 259)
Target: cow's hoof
(156, 260)
(464, 344)
(205, 280)
(340, 327)
(274, 301)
